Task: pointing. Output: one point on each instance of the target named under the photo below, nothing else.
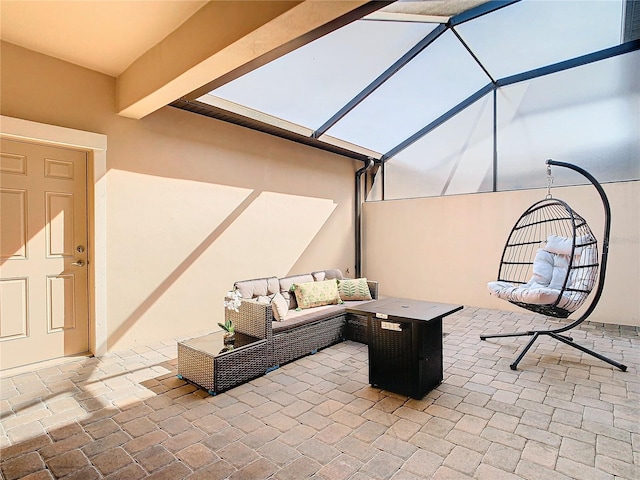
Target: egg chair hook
(549, 182)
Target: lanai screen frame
(313, 138)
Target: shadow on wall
(177, 144)
(176, 247)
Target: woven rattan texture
(300, 341)
(220, 372)
(241, 365)
(196, 366)
(356, 328)
(392, 345)
(252, 318)
(255, 319)
(395, 363)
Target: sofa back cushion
(285, 287)
(258, 287)
(327, 275)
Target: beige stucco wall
(192, 203)
(447, 248)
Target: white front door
(43, 253)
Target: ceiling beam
(220, 38)
(211, 111)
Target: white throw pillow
(559, 245)
(278, 303)
(560, 270)
(542, 268)
(280, 307)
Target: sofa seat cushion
(297, 318)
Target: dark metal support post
(358, 214)
(603, 268)
(495, 142)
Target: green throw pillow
(350, 289)
(316, 294)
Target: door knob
(79, 263)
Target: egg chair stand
(574, 287)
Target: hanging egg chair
(550, 261)
(550, 265)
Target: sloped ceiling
(160, 50)
(103, 36)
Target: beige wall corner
(221, 37)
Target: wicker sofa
(301, 332)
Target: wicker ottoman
(208, 363)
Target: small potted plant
(232, 302)
(229, 331)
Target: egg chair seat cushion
(533, 294)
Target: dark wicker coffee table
(405, 343)
(207, 362)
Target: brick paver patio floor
(562, 415)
